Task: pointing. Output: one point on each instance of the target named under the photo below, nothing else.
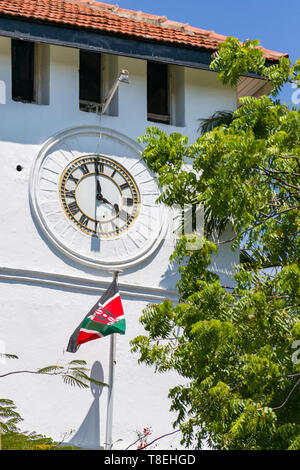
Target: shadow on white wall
(2, 92)
(88, 434)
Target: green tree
(241, 375)
(12, 438)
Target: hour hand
(99, 194)
(106, 201)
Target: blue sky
(276, 23)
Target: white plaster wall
(38, 321)
(36, 317)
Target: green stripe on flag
(118, 327)
(104, 329)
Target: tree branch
(282, 182)
(281, 172)
(135, 442)
(288, 157)
(28, 372)
(287, 398)
(267, 217)
(158, 438)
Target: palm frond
(74, 381)
(213, 223)
(78, 361)
(257, 261)
(9, 417)
(5, 402)
(48, 369)
(8, 356)
(219, 118)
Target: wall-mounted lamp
(122, 78)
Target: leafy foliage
(11, 436)
(241, 389)
(234, 59)
(8, 415)
(17, 440)
(219, 118)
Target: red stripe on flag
(84, 337)
(115, 306)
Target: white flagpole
(109, 413)
(110, 397)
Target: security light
(122, 78)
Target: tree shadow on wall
(88, 434)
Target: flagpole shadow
(88, 434)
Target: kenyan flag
(105, 318)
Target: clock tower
(97, 208)
(78, 201)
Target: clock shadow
(95, 244)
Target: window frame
(15, 43)
(163, 118)
(88, 105)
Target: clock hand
(99, 193)
(105, 201)
(117, 210)
(101, 198)
(115, 206)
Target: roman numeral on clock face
(84, 220)
(116, 228)
(84, 168)
(70, 193)
(124, 186)
(72, 178)
(124, 215)
(99, 167)
(73, 208)
(128, 201)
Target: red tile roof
(112, 19)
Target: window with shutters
(158, 93)
(23, 76)
(89, 81)
(30, 72)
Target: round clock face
(98, 208)
(99, 196)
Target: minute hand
(102, 199)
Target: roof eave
(88, 39)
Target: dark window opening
(23, 88)
(158, 92)
(89, 80)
